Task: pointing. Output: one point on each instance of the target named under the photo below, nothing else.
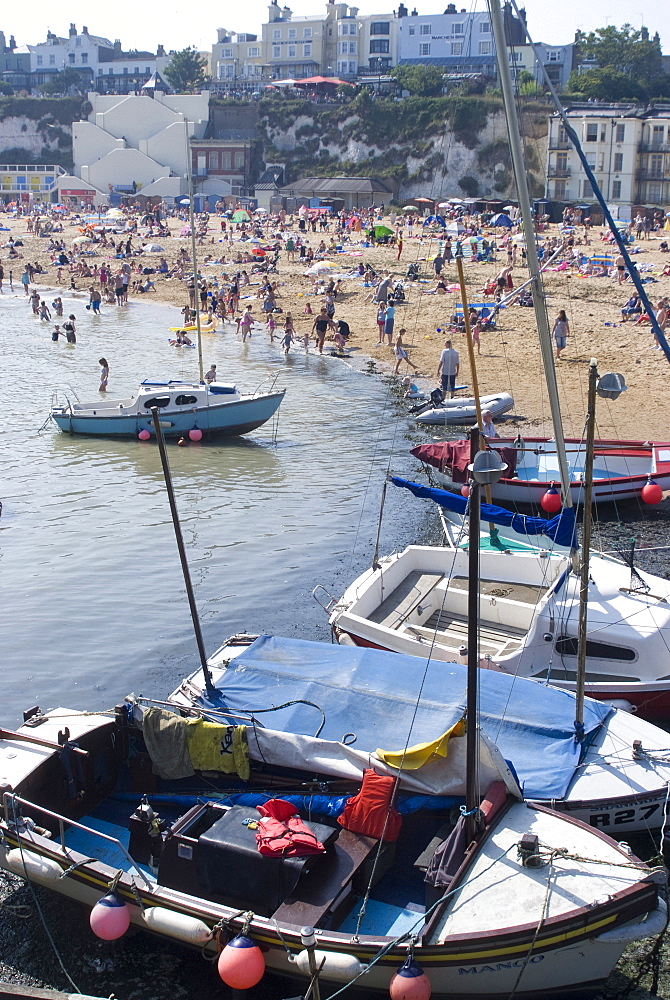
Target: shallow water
(91, 590)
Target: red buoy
(110, 917)
(551, 501)
(241, 963)
(651, 492)
(465, 490)
(410, 982)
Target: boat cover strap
(560, 529)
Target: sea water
(91, 591)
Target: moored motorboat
(621, 471)
(209, 407)
(415, 600)
(464, 410)
(534, 903)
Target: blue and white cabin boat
(216, 407)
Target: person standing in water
(104, 374)
(70, 329)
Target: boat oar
(209, 684)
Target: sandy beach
(510, 356)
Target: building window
(559, 190)
(344, 29)
(147, 70)
(425, 29)
(238, 161)
(77, 42)
(71, 58)
(379, 28)
(587, 190)
(225, 160)
(379, 45)
(52, 60)
(656, 165)
(620, 133)
(515, 57)
(616, 190)
(352, 29)
(84, 57)
(292, 32)
(99, 70)
(253, 52)
(591, 133)
(352, 48)
(276, 33)
(353, 67)
(456, 48)
(307, 50)
(306, 32)
(213, 161)
(137, 69)
(485, 48)
(276, 51)
(654, 194)
(110, 72)
(591, 160)
(292, 50)
(227, 53)
(457, 29)
(485, 27)
(618, 163)
(424, 49)
(125, 71)
(561, 161)
(412, 29)
(39, 60)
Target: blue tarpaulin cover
(370, 695)
(561, 529)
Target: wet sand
(510, 356)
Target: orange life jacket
(367, 812)
(281, 831)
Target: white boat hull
(464, 411)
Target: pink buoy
(651, 492)
(465, 490)
(241, 963)
(144, 435)
(195, 434)
(551, 501)
(110, 917)
(410, 982)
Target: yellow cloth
(213, 747)
(415, 757)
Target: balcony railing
(558, 172)
(654, 175)
(654, 147)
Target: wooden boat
(415, 600)
(616, 779)
(553, 916)
(621, 469)
(212, 408)
(464, 410)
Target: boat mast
(472, 702)
(194, 263)
(539, 302)
(586, 546)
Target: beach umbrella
(114, 213)
(241, 215)
(409, 208)
(82, 239)
(153, 248)
(383, 231)
(509, 208)
(261, 209)
(455, 201)
(425, 201)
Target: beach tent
(501, 220)
(436, 220)
(241, 216)
(455, 228)
(382, 231)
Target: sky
(145, 25)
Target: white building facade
(626, 146)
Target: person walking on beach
(319, 327)
(35, 303)
(246, 323)
(287, 340)
(104, 374)
(401, 354)
(381, 322)
(44, 312)
(94, 296)
(56, 333)
(399, 246)
(388, 322)
(25, 280)
(561, 331)
(448, 368)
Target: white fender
(30, 865)
(336, 964)
(652, 925)
(176, 925)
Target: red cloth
(281, 832)
(366, 812)
(455, 457)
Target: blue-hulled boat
(215, 407)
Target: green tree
(608, 84)
(422, 81)
(66, 82)
(627, 50)
(186, 71)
